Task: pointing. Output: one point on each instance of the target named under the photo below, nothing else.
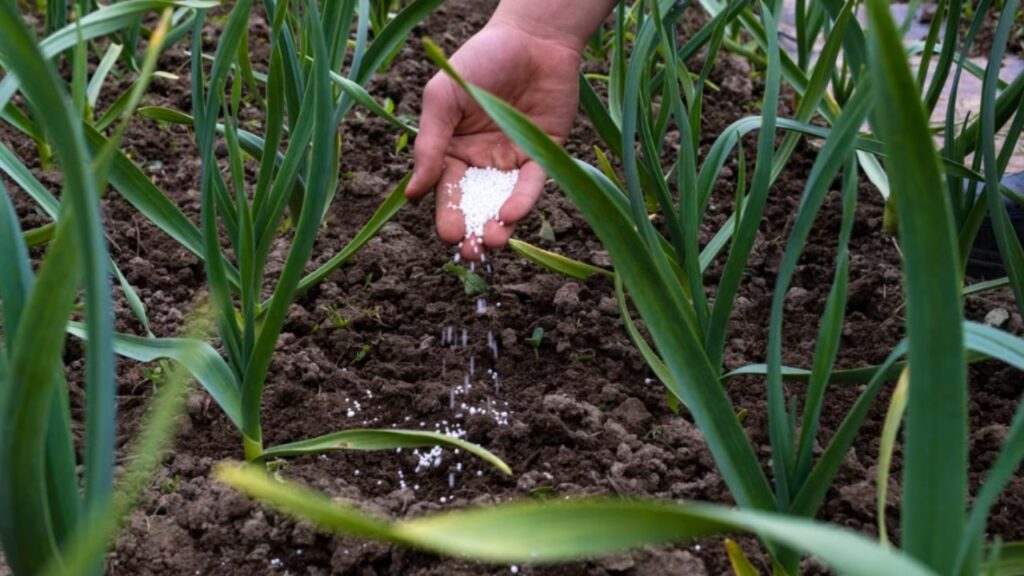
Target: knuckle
(435, 89)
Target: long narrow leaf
(359, 439)
(559, 531)
(934, 482)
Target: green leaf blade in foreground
(934, 481)
(35, 350)
(26, 529)
(549, 532)
(360, 439)
(86, 546)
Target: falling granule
(492, 344)
(465, 338)
(484, 192)
(481, 306)
(451, 398)
(451, 480)
(472, 365)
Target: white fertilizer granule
(484, 191)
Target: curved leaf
(367, 440)
(556, 262)
(558, 531)
(195, 356)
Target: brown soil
(986, 33)
(582, 416)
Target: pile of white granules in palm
(484, 191)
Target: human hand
(533, 72)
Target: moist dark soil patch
(579, 416)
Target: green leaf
(602, 121)
(1010, 350)
(35, 349)
(323, 169)
(837, 150)
(25, 525)
(536, 337)
(650, 356)
(1006, 237)
(133, 184)
(886, 445)
(934, 482)
(197, 357)
(830, 332)
(383, 45)
(100, 75)
(213, 194)
(556, 262)
(98, 23)
(741, 565)
(391, 205)
(745, 235)
(472, 283)
(61, 483)
(367, 440)
(813, 491)
(743, 242)
(89, 545)
(1010, 561)
(360, 95)
(557, 531)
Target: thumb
(440, 115)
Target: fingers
(441, 112)
(451, 225)
(496, 235)
(471, 249)
(525, 194)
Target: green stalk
(934, 481)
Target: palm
(539, 79)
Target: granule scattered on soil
(484, 191)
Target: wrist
(571, 33)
